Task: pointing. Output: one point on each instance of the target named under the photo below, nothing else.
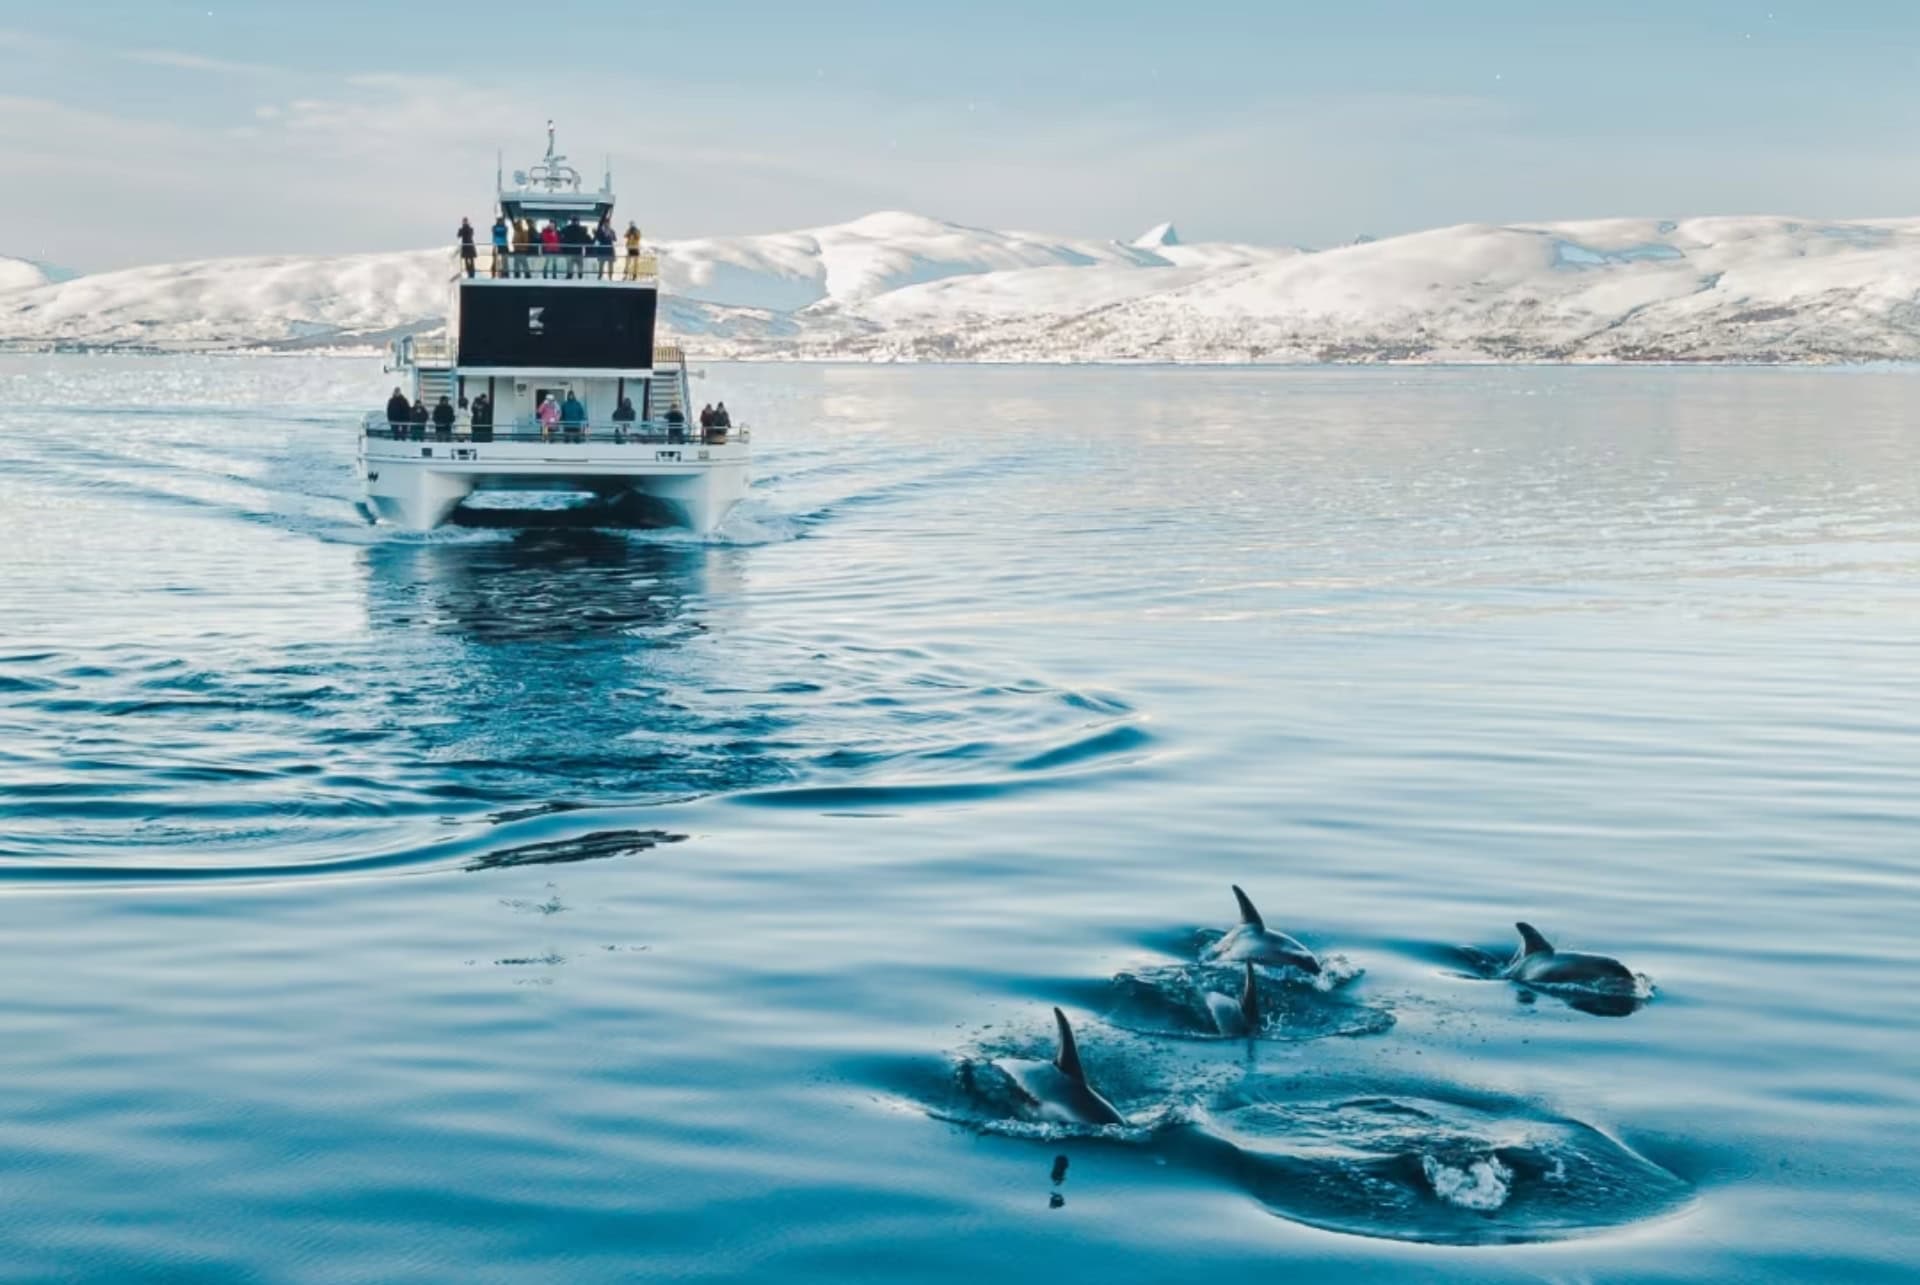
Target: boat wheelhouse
(533, 329)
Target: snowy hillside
(850, 262)
(19, 274)
(902, 287)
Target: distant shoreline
(901, 288)
(347, 352)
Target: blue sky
(186, 130)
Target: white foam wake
(1482, 1184)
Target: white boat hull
(417, 484)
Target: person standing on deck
(549, 415)
(399, 413)
(462, 421)
(603, 247)
(573, 416)
(522, 247)
(466, 245)
(500, 245)
(549, 250)
(633, 251)
(577, 239)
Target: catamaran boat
(574, 325)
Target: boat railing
(643, 431)
(561, 263)
(436, 350)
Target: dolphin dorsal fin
(1248, 915)
(1250, 1001)
(1531, 942)
(1069, 1059)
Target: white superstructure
(573, 323)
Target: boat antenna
(552, 172)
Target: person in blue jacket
(573, 418)
(500, 245)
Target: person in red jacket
(550, 250)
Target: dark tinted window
(557, 326)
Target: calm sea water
(576, 905)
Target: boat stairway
(667, 396)
(433, 384)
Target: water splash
(1172, 1000)
(1481, 1183)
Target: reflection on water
(543, 669)
(597, 846)
(546, 586)
(542, 586)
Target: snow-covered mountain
(22, 274)
(902, 287)
(1160, 234)
(847, 263)
(232, 303)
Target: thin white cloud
(186, 60)
(381, 160)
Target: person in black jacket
(399, 414)
(466, 244)
(623, 417)
(603, 238)
(578, 240)
(419, 417)
(483, 418)
(720, 417)
(443, 418)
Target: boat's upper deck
(567, 266)
(552, 284)
(548, 228)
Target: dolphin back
(1081, 1101)
(1577, 968)
(1248, 915)
(1069, 1057)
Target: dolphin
(1234, 1017)
(1251, 941)
(1058, 1090)
(1537, 962)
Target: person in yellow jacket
(633, 252)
